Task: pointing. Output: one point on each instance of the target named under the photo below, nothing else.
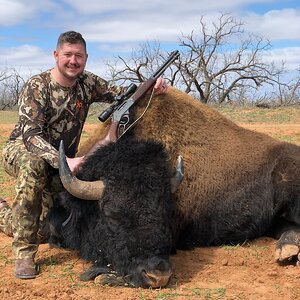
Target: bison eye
(112, 220)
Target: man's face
(70, 60)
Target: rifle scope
(118, 99)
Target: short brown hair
(71, 37)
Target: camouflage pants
(37, 183)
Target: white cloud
(289, 55)
(130, 21)
(128, 31)
(276, 24)
(149, 27)
(13, 12)
(159, 7)
(26, 59)
(117, 47)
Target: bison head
(128, 227)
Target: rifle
(120, 108)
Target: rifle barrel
(173, 56)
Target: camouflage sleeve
(32, 110)
(105, 91)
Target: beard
(70, 75)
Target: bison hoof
(110, 280)
(286, 253)
(288, 246)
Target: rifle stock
(143, 89)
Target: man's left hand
(75, 163)
(160, 86)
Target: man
(53, 106)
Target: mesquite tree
(143, 62)
(11, 83)
(220, 60)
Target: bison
(238, 185)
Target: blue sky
(29, 28)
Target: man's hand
(160, 86)
(75, 163)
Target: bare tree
(222, 60)
(11, 83)
(15, 86)
(288, 93)
(4, 76)
(294, 97)
(143, 62)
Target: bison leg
(93, 272)
(112, 280)
(288, 245)
(103, 276)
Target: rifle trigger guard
(124, 122)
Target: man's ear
(55, 54)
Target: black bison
(238, 185)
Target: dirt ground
(229, 272)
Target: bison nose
(156, 272)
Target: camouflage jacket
(49, 113)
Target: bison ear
(178, 174)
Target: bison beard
(128, 229)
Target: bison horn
(81, 189)
(178, 174)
